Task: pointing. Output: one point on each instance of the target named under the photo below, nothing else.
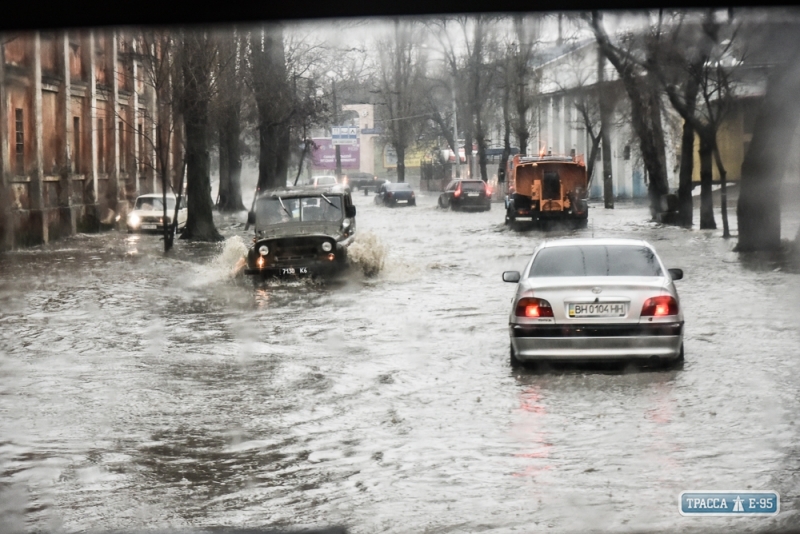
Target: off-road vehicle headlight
(326, 246)
(263, 250)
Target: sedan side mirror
(676, 274)
(251, 217)
(511, 276)
(350, 211)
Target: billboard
(324, 155)
(413, 157)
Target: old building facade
(77, 136)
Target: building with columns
(77, 139)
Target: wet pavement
(144, 391)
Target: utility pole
(336, 123)
(457, 159)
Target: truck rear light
(457, 192)
(533, 307)
(660, 306)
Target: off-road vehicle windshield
(275, 210)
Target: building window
(20, 138)
(101, 146)
(76, 145)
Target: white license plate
(473, 194)
(148, 227)
(598, 309)
(294, 270)
(402, 201)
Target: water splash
(228, 264)
(368, 253)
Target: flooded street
(139, 390)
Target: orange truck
(547, 188)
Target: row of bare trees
(456, 78)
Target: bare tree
(268, 79)
(198, 53)
(758, 209)
(154, 52)
(710, 79)
(228, 121)
(402, 65)
(645, 100)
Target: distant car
(363, 181)
(322, 181)
(301, 231)
(595, 299)
(148, 212)
(466, 195)
(395, 194)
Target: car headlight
(346, 223)
(263, 250)
(326, 246)
(133, 220)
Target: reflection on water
(144, 390)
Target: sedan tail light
(488, 190)
(660, 306)
(533, 307)
(457, 192)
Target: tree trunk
(273, 100)
(230, 162)
(659, 182)
(608, 179)
(224, 170)
(758, 209)
(200, 220)
(401, 163)
(685, 186)
(501, 169)
(645, 117)
(481, 138)
(706, 177)
(723, 203)
(593, 158)
(605, 129)
(196, 99)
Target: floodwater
(139, 390)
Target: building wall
(77, 166)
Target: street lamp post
(337, 147)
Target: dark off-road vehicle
(301, 232)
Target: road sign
(344, 135)
(715, 503)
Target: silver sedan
(595, 299)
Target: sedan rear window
(472, 186)
(399, 186)
(596, 260)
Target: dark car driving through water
(301, 231)
(393, 194)
(466, 195)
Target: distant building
(77, 135)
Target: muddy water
(143, 391)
